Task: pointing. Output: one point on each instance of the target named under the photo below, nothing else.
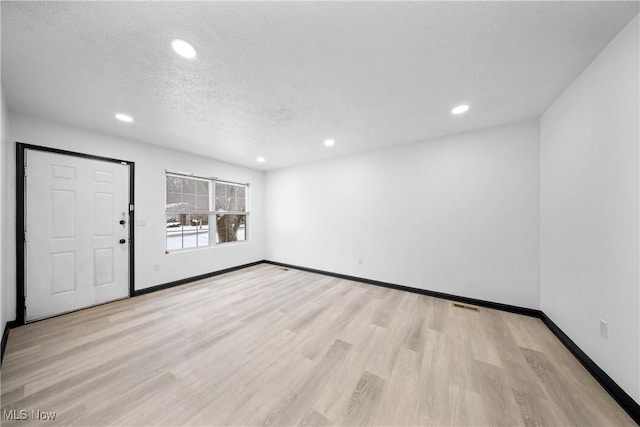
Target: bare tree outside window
(230, 212)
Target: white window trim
(213, 229)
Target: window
(203, 211)
(231, 212)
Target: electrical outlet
(156, 267)
(360, 261)
(604, 333)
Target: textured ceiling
(275, 79)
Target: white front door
(76, 249)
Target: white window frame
(211, 212)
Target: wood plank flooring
(270, 346)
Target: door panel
(62, 274)
(103, 216)
(73, 208)
(103, 260)
(62, 206)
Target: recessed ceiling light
(329, 142)
(460, 109)
(183, 49)
(124, 118)
(260, 159)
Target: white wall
(589, 210)
(150, 165)
(4, 202)
(456, 215)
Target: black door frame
(21, 149)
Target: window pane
(221, 197)
(231, 228)
(188, 185)
(189, 202)
(174, 184)
(230, 197)
(174, 231)
(202, 196)
(174, 193)
(187, 194)
(185, 230)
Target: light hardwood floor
(270, 346)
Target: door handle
(122, 241)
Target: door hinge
(25, 236)
(25, 171)
(131, 207)
(25, 302)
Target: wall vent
(466, 307)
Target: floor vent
(285, 269)
(466, 307)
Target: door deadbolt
(122, 241)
